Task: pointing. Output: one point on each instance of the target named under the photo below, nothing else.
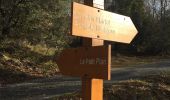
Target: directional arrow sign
(92, 61)
(96, 23)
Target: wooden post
(88, 41)
(93, 64)
(92, 89)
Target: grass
(18, 56)
(147, 88)
(152, 87)
(68, 96)
(40, 49)
(125, 61)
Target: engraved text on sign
(99, 24)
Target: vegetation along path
(42, 89)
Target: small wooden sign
(92, 61)
(99, 24)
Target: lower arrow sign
(92, 61)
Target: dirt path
(42, 89)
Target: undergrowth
(152, 87)
(21, 59)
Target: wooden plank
(99, 24)
(92, 89)
(88, 41)
(92, 61)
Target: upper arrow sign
(96, 23)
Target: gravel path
(42, 89)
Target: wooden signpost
(92, 62)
